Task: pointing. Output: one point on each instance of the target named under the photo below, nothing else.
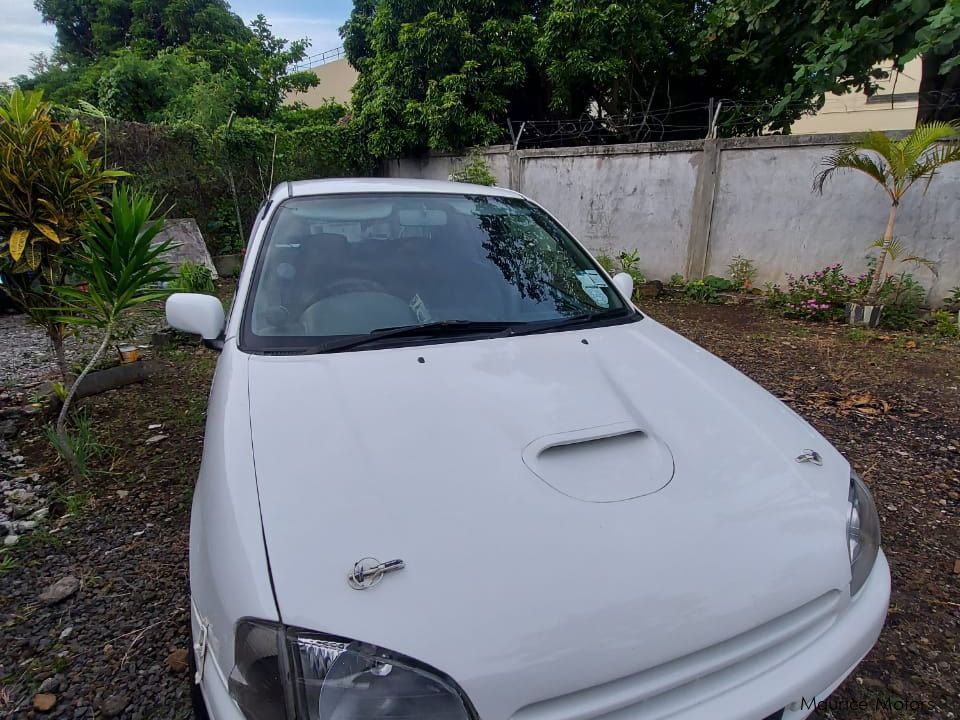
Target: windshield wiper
(571, 321)
(441, 328)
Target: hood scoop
(603, 464)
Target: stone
(44, 702)
(8, 428)
(155, 439)
(122, 493)
(11, 540)
(177, 661)
(114, 705)
(187, 244)
(650, 289)
(40, 514)
(60, 590)
(66, 632)
(50, 685)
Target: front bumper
(796, 684)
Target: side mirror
(196, 314)
(624, 283)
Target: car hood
(571, 507)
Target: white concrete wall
(638, 200)
(765, 209)
(640, 197)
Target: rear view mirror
(624, 283)
(196, 314)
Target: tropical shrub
(896, 165)
(48, 184)
(194, 278)
(122, 269)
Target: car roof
(340, 186)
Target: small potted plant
(229, 264)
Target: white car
(452, 473)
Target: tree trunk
(877, 280)
(65, 449)
(56, 335)
(939, 94)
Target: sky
(25, 34)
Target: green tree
(262, 67)
(89, 30)
(48, 184)
(150, 60)
(896, 166)
(835, 47)
(627, 58)
(442, 75)
(123, 270)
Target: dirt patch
(124, 536)
(891, 403)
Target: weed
(946, 324)
(82, 442)
(73, 503)
(630, 264)
(699, 291)
(742, 272)
(859, 334)
(7, 563)
(677, 280)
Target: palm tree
(896, 165)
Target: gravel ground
(109, 649)
(26, 357)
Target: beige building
(894, 107)
(336, 75)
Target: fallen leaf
(177, 661)
(956, 567)
(44, 702)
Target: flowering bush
(820, 295)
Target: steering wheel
(344, 286)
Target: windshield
(346, 266)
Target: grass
(73, 503)
(81, 439)
(7, 562)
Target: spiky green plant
(123, 269)
(896, 165)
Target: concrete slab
(185, 235)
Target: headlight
(281, 674)
(863, 533)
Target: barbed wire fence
(718, 117)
